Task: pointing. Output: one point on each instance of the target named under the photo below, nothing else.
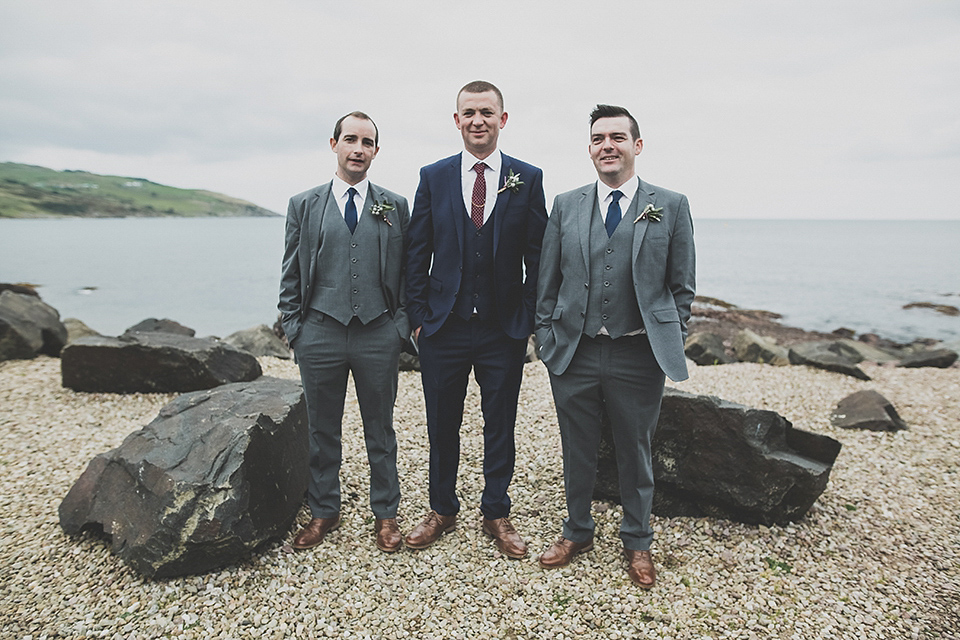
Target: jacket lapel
(316, 211)
(587, 199)
(375, 194)
(456, 198)
(645, 195)
(503, 198)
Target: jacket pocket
(557, 312)
(666, 315)
(436, 284)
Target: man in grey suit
(342, 308)
(617, 276)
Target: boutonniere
(512, 182)
(379, 209)
(650, 212)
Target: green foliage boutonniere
(379, 209)
(654, 214)
(512, 182)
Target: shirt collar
(493, 161)
(340, 187)
(628, 188)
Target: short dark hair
(480, 86)
(338, 128)
(610, 111)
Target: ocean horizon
(220, 275)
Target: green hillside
(28, 191)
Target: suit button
(606, 284)
(353, 244)
(609, 250)
(583, 315)
(356, 291)
(478, 254)
(606, 302)
(353, 259)
(356, 306)
(608, 267)
(586, 285)
(356, 276)
(605, 316)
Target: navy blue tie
(350, 211)
(613, 213)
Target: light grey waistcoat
(348, 271)
(612, 301)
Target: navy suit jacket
(436, 245)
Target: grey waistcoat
(611, 301)
(348, 270)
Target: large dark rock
(153, 362)
(832, 356)
(724, 460)
(166, 325)
(941, 358)
(216, 474)
(706, 349)
(867, 409)
(259, 341)
(28, 327)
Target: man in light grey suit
(342, 309)
(617, 276)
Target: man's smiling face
(613, 150)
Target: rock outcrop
(707, 349)
(77, 329)
(941, 358)
(750, 347)
(831, 356)
(166, 325)
(724, 460)
(153, 363)
(216, 474)
(259, 341)
(29, 327)
(867, 409)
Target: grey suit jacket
(305, 217)
(664, 276)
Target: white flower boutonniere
(379, 209)
(512, 182)
(654, 214)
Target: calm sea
(219, 275)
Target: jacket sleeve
(536, 223)
(419, 253)
(290, 297)
(682, 264)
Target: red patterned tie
(479, 195)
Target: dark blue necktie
(613, 213)
(350, 211)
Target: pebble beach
(878, 555)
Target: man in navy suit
(474, 250)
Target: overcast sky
(754, 109)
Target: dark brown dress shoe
(388, 535)
(508, 540)
(640, 568)
(561, 552)
(430, 530)
(312, 534)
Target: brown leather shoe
(640, 568)
(388, 535)
(312, 534)
(430, 530)
(508, 540)
(561, 552)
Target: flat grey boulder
(750, 347)
(829, 355)
(868, 352)
(153, 363)
(77, 329)
(867, 409)
(165, 325)
(940, 358)
(259, 341)
(707, 349)
(29, 327)
(215, 475)
(724, 460)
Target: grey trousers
(326, 351)
(622, 377)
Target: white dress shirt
(491, 174)
(340, 189)
(628, 189)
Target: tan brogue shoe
(313, 534)
(640, 568)
(508, 540)
(388, 535)
(561, 552)
(430, 530)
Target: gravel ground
(878, 556)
